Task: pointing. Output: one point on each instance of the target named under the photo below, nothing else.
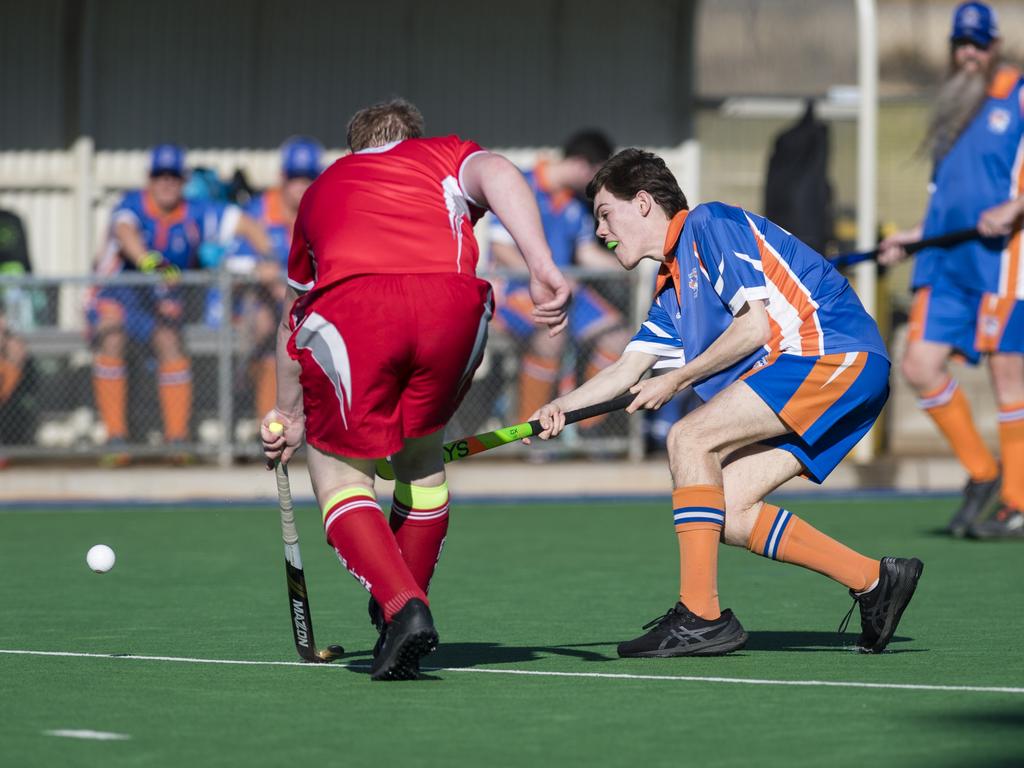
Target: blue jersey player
(154, 230)
(594, 323)
(275, 209)
(792, 372)
(969, 300)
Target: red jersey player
(383, 328)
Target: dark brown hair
(383, 123)
(633, 170)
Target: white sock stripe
(699, 516)
(418, 514)
(1008, 416)
(941, 398)
(175, 377)
(339, 510)
(776, 532)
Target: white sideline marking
(542, 673)
(97, 735)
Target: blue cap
(167, 158)
(975, 22)
(301, 157)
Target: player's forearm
(289, 391)
(611, 382)
(747, 333)
(495, 182)
(256, 235)
(130, 242)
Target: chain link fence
(54, 355)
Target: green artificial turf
(528, 586)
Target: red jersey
(396, 209)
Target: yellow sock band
(344, 494)
(421, 496)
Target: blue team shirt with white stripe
(726, 257)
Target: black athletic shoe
(1006, 523)
(881, 608)
(976, 498)
(682, 633)
(410, 636)
(377, 619)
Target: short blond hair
(383, 123)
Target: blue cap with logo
(301, 157)
(167, 158)
(975, 22)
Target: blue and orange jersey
(566, 219)
(269, 210)
(176, 234)
(719, 258)
(984, 167)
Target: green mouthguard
(611, 245)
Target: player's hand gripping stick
(469, 446)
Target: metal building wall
(33, 73)
(247, 73)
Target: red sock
(419, 518)
(356, 528)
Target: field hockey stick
(941, 241)
(298, 596)
(470, 446)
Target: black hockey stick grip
(597, 409)
(939, 241)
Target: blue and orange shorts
(589, 314)
(829, 401)
(138, 309)
(972, 323)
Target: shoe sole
(959, 526)
(900, 601)
(983, 535)
(405, 662)
(718, 648)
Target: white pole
(865, 275)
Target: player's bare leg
(925, 368)
(356, 528)
(882, 589)
(1007, 372)
(698, 444)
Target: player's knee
(689, 436)
(1007, 378)
(109, 339)
(166, 343)
(547, 346)
(919, 372)
(740, 517)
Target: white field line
(95, 735)
(542, 673)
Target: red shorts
(388, 357)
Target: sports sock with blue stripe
(780, 535)
(699, 514)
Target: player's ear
(644, 202)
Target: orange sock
(699, 512)
(597, 363)
(1011, 442)
(950, 410)
(780, 535)
(174, 381)
(110, 389)
(10, 375)
(264, 373)
(536, 382)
